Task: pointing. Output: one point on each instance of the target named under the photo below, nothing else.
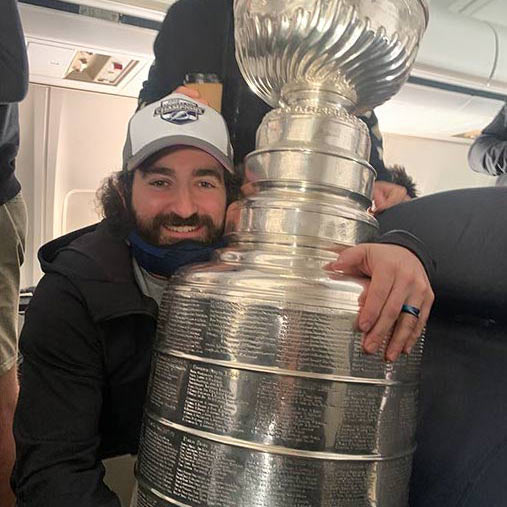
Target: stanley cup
(260, 393)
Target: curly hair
(114, 198)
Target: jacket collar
(99, 263)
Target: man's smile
(182, 228)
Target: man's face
(180, 196)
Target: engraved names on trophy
(283, 410)
(291, 337)
(208, 473)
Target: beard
(151, 231)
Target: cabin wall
(70, 141)
(434, 165)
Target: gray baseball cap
(172, 121)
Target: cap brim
(169, 141)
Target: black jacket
(198, 36)
(488, 153)
(13, 88)
(465, 233)
(461, 454)
(86, 344)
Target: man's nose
(184, 205)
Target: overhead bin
(59, 42)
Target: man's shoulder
(96, 266)
(92, 253)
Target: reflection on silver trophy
(260, 394)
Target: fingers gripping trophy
(260, 394)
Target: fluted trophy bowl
(359, 50)
(260, 393)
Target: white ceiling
(416, 110)
(432, 113)
(494, 11)
(158, 5)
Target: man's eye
(159, 183)
(207, 184)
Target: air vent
(101, 69)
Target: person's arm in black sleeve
(13, 59)
(187, 43)
(488, 153)
(411, 242)
(464, 233)
(56, 425)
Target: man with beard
(90, 326)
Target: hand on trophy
(398, 288)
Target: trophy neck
(320, 62)
(318, 97)
(308, 183)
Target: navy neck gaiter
(165, 260)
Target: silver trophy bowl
(359, 52)
(260, 393)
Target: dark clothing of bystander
(488, 153)
(13, 88)
(209, 48)
(461, 454)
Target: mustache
(175, 220)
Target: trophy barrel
(260, 394)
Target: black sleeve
(189, 41)
(56, 425)
(464, 233)
(488, 153)
(13, 60)
(414, 244)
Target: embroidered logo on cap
(178, 111)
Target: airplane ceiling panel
(494, 11)
(148, 9)
(433, 113)
(427, 111)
